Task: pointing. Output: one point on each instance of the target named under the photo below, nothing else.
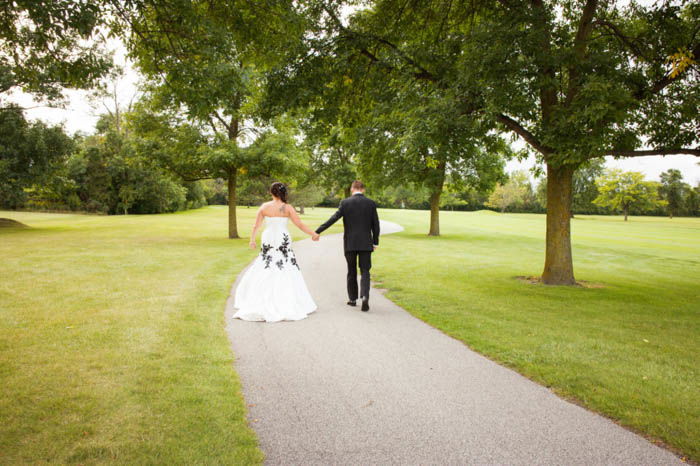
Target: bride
(273, 288)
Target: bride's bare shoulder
(262, 210)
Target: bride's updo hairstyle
(279, 190)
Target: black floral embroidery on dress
(284, 247)
(266, 256)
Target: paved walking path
(348, 387)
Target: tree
(402, 196)
(673, 190)
(399, 131)
(203, 63)
(333, 155)
(424, 141)
(30, 154)
(113, 172)
(306, 196)
(625, 191)
(578, 81)
(511, 193)
(575, 80)
(46, 46)
(692, 201)
(453, 196)
(189, 151)
(584, 188)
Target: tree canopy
(47, 46)
(28, 154)
(623, 191)
(574, 80)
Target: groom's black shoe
(365, 305)
(352, 303)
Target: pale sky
(651, 166)
(81, 115)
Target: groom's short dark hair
(357, 185)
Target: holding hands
(315, 237)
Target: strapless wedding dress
(272, 288)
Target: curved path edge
(383, 387)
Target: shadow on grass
(9, 223)
(535, 280)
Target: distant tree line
(119, 170)
(601, 191)
(101, 173)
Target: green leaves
(673, 190)
(48, 45)
(624, 191)
(29, 154)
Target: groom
(361, 237)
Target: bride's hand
(252, 244)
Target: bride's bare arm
(258, 222)
(297, 221)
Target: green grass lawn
(629, 350)
(112, 341)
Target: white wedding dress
(273, 288)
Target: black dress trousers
(365, 260)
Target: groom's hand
(315, 237)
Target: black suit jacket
(360, 221)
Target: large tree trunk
(435, 213)
(233, 182)
(558, 263)
(347, 192)
(232, 201)
(435, 194)
(626, 213)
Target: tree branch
(585, 27)
(210, 120)
(548, 92)
(13, 107)
(223, 122)
(662, 83)
(189, 177)
(530, 138)
(636, 51)
(422, 73)
(644, 153)
(658, 85)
